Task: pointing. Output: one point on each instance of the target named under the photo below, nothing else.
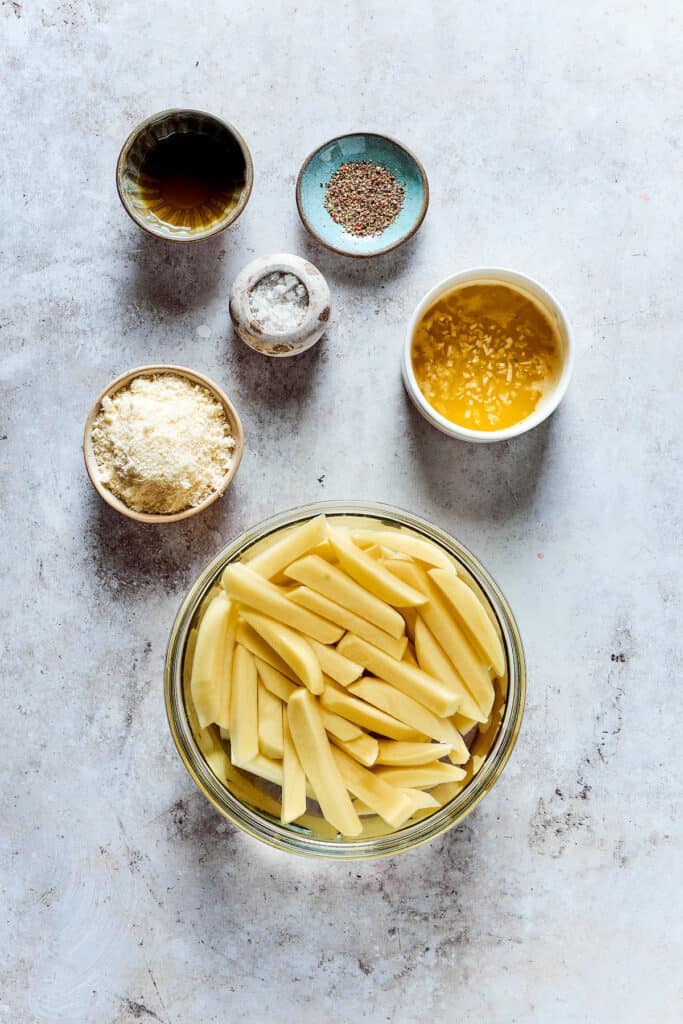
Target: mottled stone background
(551, 134)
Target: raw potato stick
(410, 659)
(207, 681)
(460, 754)
(473, 616)
(366, 715)
(447, 790)
(340, 727)
(317, 760)
(410, 616)
(353, 623)
(242, 785)
(422, 550)
(422, 776)
(282, 688)
(223, 716)
(335, 665)
(432, 659)
(464, 725)
(370, 574)
(391, 804)
(243, 708)
(422, 800)
(278, 684)
(293, 545)
(267, 768)
(405, 709)
(331, 582)
(397, 753)
(291, 647)
(363, 749)
(269, 723)
(250, 639)
(271, 770)
(293, 779)
(410, 680)
(450, 636)
(249, 589)
(218, 762)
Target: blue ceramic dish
(319, 167)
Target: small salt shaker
(280, 304)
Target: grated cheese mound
(162, 444)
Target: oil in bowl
(184, 175)
(487, 356)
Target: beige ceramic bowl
(153, 371)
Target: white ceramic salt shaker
(280, 304)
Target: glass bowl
(312, 836)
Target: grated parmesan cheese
(162, 444)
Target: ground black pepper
(363, 197)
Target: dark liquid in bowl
(190, 179)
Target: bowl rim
(387, 248)
(211, 231)
(504, 275)
(153, 370)
(281, 837)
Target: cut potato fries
(209, 681)
(402, 707)
(472, 614)
(396, 540)
(334, 584)
(317, 759)
(395, 646)
(422, 776)
(292, 545)
(450, 636)
(244, 585)
(390, 803)
(269, 723)
(363, 749)
(275, 681)
(432, 659)
(375, 578)
(351, 667)
(405, 677)
(397, 753)
(291, 647)
(293, 779)
(335, 665)
(250, 639)
(244, 708)
(365, 715)
(340, 727)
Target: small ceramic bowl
(91, 464)
(133, 189)
(285, 342)
(554, 313)
(319, 167)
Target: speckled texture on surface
(551, 135)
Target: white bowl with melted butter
(488, 355)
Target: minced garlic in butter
(484, 355)
(162, 444)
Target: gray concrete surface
(552, 137)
